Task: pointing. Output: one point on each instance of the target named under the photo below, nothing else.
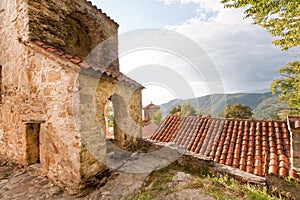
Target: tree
(289, 85)
(188, 110)
(157, 118)
(176, 110)
(184, 110)
(199, 113)
(221, 113)
(238, 111)
(279, 17)
(270, 108)
(111, 118)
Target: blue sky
(242, 53)
(137, 14)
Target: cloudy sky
(237, 56)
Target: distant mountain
(269, 108)
(264, 105)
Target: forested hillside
(264, 105)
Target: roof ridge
(83, 63)
(239, 119)
(152, 105)
(259, 147)
(100, 10)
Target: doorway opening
(109, 119)
(33, 143)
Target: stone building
(149, 111)
(54, 88)
(294, 129)
(149, 127)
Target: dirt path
(18, 184)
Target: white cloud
(243, 53)
(205, 9)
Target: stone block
(3, 5)
(37, 82)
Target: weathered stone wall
(96, 90)
(127, 103)
(296, 149)
(13, 20)
(135, 108)
(149, 113)
(75, 27)
(60, 143)
(128, 113)
(41, 88)
(35, 89)
(105, 90)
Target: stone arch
(84, 33)
(104, 91)
(128, 114)
(78, 42)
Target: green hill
(264, 105)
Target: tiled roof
(85, 64)
(151, 106)
(257, 147)
(149, 130)
(294, 122)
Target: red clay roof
(294, 122)
(149, 130)
(151, 106)
(87, 65)
(257, 147)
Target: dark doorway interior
(33, 143)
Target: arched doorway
(109, 116)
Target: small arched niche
(77, 39)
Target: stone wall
(127, 103)
(35, 89)
(15, 94)
(96, 90)
(60, 142)
(294, 129)
(149, 113)
(128, 113)
(75, 27)
(43, 90)
(296, 149)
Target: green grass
(142, 196)
(219, 186)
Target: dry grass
(218, 186)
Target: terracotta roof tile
(151, 106)
(294, 122)
(84, 64)
(297, 123)
(255, 146)
(148, 131)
